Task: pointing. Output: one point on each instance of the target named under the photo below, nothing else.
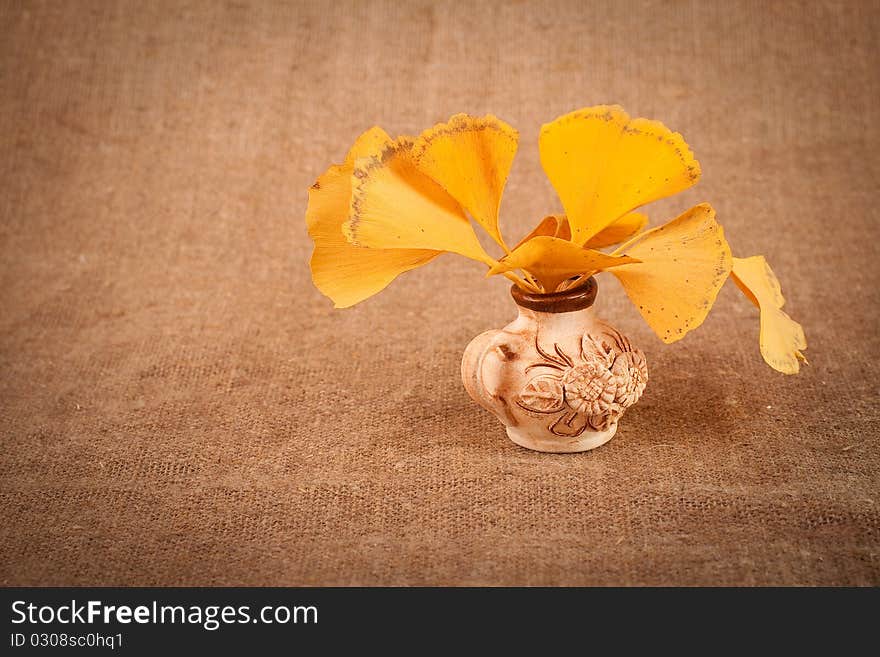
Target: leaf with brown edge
(604, 164)
(396, 206)
(470, 158)
(346, 273)
(552, 260)
(781, 338)
(683, 265)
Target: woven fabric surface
(180, 406)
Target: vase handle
(473, 371)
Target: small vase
(557, 377)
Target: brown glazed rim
(576, 298)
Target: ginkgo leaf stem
(531, 279)
(509, 275)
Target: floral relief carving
(592, 389)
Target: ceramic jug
(558, 377)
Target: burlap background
(179, 405)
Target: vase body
(557, 377)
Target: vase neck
(562, 323)
(580, 296)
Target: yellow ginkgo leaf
(470, 158)
(683, 265)
(618, 231)
(552, 260)
(322, 205)
(396, 206)
(371, 142)
(346, 273)
(622, 229)
(603, 164)
(782, 338)
(550, 226)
